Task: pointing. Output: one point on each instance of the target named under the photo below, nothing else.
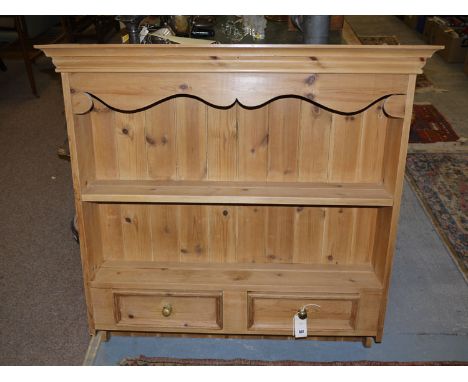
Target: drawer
(274, 312)
(169, 309)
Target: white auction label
(300, 327)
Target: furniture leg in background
(20, 25)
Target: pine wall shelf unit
(220, 188)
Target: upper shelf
(403, 59)
(210, 192)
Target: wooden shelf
(202, 203)
(141, 275)
(208, 192)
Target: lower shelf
(236, 299)
(148, 275)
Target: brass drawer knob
(302, 313)
(167, 310)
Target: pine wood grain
(309, 226)
(193, 231)
(314, 143)
(251, 234)
(137, 241)
(344, 152)
(110, 217)
(229, 58)
(165, 232)
(222, 144)
(223, 234)
(104, 142)
(191, 139)
(253, 143)
(238, 215)
(129, 130)
(279, 193)
(160, 139)
(372, 145)
(283, 122)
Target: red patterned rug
(429, 126)
(149, 361)
(423, 84)
(441, 182)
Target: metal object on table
(132, 24)
(181, 25)
(160, 36)
(204, 22)
(314, 28)
(202, 26)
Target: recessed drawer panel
(169, 309)
(273, 312)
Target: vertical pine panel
(280, 237)
(131, 147)
(253, 143)
(374, 128)
(363, 235)
(136, 228)
(253, 166)
(191, 139)
(392, 152)
(338, 235)
(165, 232)
(161, 140)
(191, 133)
(308, 234)
(222, 144)
(344, 159)
(345, 148)
(111, 231)
(314, 142)
(105, 150)
(193, 233)
(91, 236)
(84, 144)
(222, 165)
(223, 234)
(283, 121)
(251, 234)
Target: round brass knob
(302, 313)
(167, 310)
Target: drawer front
(273, 312)
(169, 309)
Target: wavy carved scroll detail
(81, 105)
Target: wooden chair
(19, 44)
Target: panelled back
(287, 140)
(237, 234)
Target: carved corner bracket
(81, 102)
(395, 106)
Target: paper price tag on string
(300, 326)
(300, 321)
